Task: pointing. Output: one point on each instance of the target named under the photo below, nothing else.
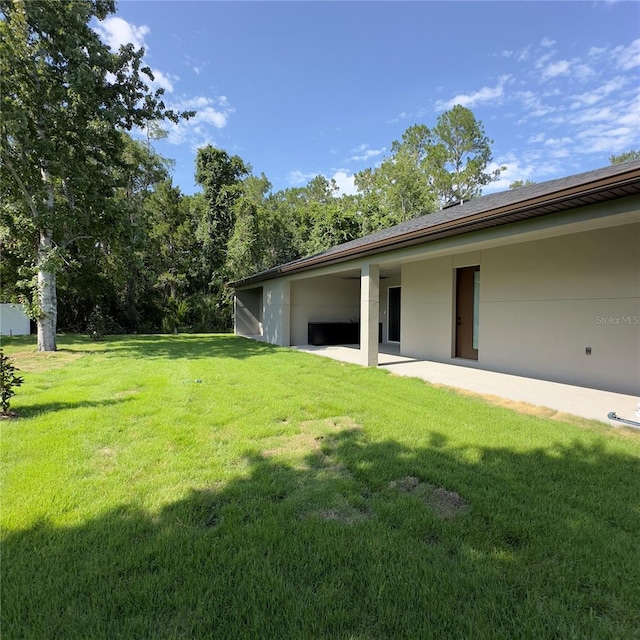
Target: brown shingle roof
(487, 211)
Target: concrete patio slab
(588, 403)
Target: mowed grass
(214, 487)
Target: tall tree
(66, 98)
(400, 188)
(220, 176)
(458, 154)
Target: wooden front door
(467, 299)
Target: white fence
(13, 320)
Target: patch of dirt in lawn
(444, 503)
(344, 515)
(106, 459)
(297, 444)
(35, 361)
(320, 492)
(313, 435)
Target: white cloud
(401, 116)
(345, 181)
(612, 128)
(486, 94)
(604, 113)
(534, 105)
(629, 58)
(298, 178)
(558, 123)
(162, 80)
(523, 54)
(559, 147)
(582, 72)
(554, 69)
(598, 93)
(194, 102)
(210, 113)
(554, 142)
(536, 167)
(547, 42)
(543, 60)
(598, 52)
(607, 139)
(363, 153)
(115, 32)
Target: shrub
(8, 380)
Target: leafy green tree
(280, 229)
(220, 177)
(331, 224)
(399, 189)
(66, 98)
(458, 154)
(108, 281)
(516, 184)
(427, 168)
(244, 249)
(247, 242)
(627, 156)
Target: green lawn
(214, 487)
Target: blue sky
(298, 89)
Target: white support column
(369, 314)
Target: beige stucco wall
(542, 303)
(322, 299)
(248, 312)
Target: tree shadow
(338, 543)
(41, 408)
(187, 346)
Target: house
(542, 281)
(13, 320)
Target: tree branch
(25, 193)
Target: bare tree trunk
(47, 296)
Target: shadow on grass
(334, 547)
(187, 346)
(34, 410)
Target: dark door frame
(389, 338)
